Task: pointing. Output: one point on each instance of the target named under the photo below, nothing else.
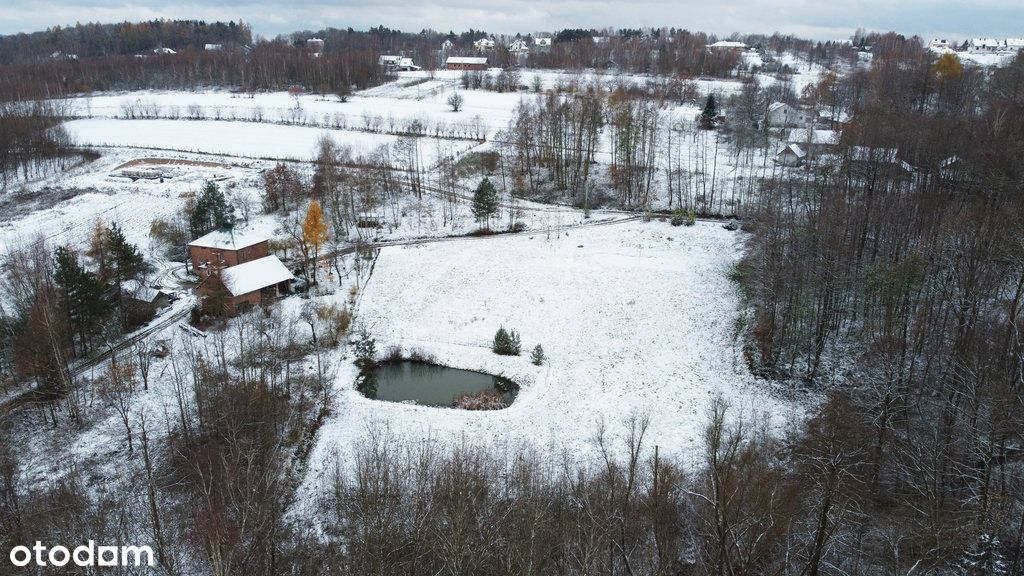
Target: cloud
(819, 20)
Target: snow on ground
(633, 323)
(245, 139)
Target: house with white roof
(248, 285)
(226, 247)
(782, 115)
(142, 302)
(1014, 44)
(397, 63)
(814, 142)
(791, 155)
(727, 46)
(519, 46)
(984, 45)
(483, 44)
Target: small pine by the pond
(506, 342)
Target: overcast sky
(819, 19)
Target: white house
(519, 46)
(315, 44)
(483, 44)
(982, 45)
(447, 45)
(791, 155)
(542, 42)
(939, 43)
(1014, 44)
(212, 47)
(727, 46)
(163, 50)
(782, 115)
(397, 63)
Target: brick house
(247, 285)
(224, 248)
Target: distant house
(397, 63)
(542, 43)
(599, 39)
(213, 47)
(866, 160)
(483, 44)
(163, 50)
(1014, 44)
(984, 45)
(782, 115)
(447, 45)
(142, 302)
(814, 142)
(315, 44)
(224, 248)
(465, 63)
(727, 46)
(791, 155)
(519, 46)
(62, 56)
(247, 285)
(939, 43)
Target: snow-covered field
(244, 139)
(636, 318)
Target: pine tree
(537, 357)
(82, 293)
(710, 112)
(126, 258)
(485, 202)
(211, 211)
(365, 350)
(314, 231)
(506, 342)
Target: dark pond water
(431, 385)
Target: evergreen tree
(211, 211)
(125, 256)
(485, 202)
(537, 357)
(710, 112)
(365, 350)
(82, 295)
(506, 342)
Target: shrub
(506, 342)
(681, 218)
(537, 357)
(484, 400)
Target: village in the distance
(582, 301)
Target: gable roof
(793, 149)
(826, 137)
(228, 239)
(140, 291)
(466, 60)
(254, 275)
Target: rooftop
(228, 239)
(466, 60)
(255, 275)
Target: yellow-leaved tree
(948, 67)
(314, 231)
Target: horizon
(960, 21)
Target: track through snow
(633, 324)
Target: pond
(433, 385)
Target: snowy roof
(794, 149)
(800, 136)
(985, 42)
(140, 291)
(776, 105)
(228, 239)
(254, 275)
(466, 60)
(1015, 42)
(542, 41)
(727, 44)
(163, 51)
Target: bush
(506, 342)
(537, 357)
(681, 218)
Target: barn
(466, 63)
